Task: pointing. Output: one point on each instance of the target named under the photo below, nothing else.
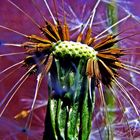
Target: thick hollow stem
(69, 115)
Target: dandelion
(70, 69)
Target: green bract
(63, 49)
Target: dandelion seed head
(77, 14)
(72, 49)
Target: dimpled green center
(63, 49)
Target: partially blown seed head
(103, 34)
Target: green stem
(49, 133)
(112, 13)
(69, 116)
(58, 133)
